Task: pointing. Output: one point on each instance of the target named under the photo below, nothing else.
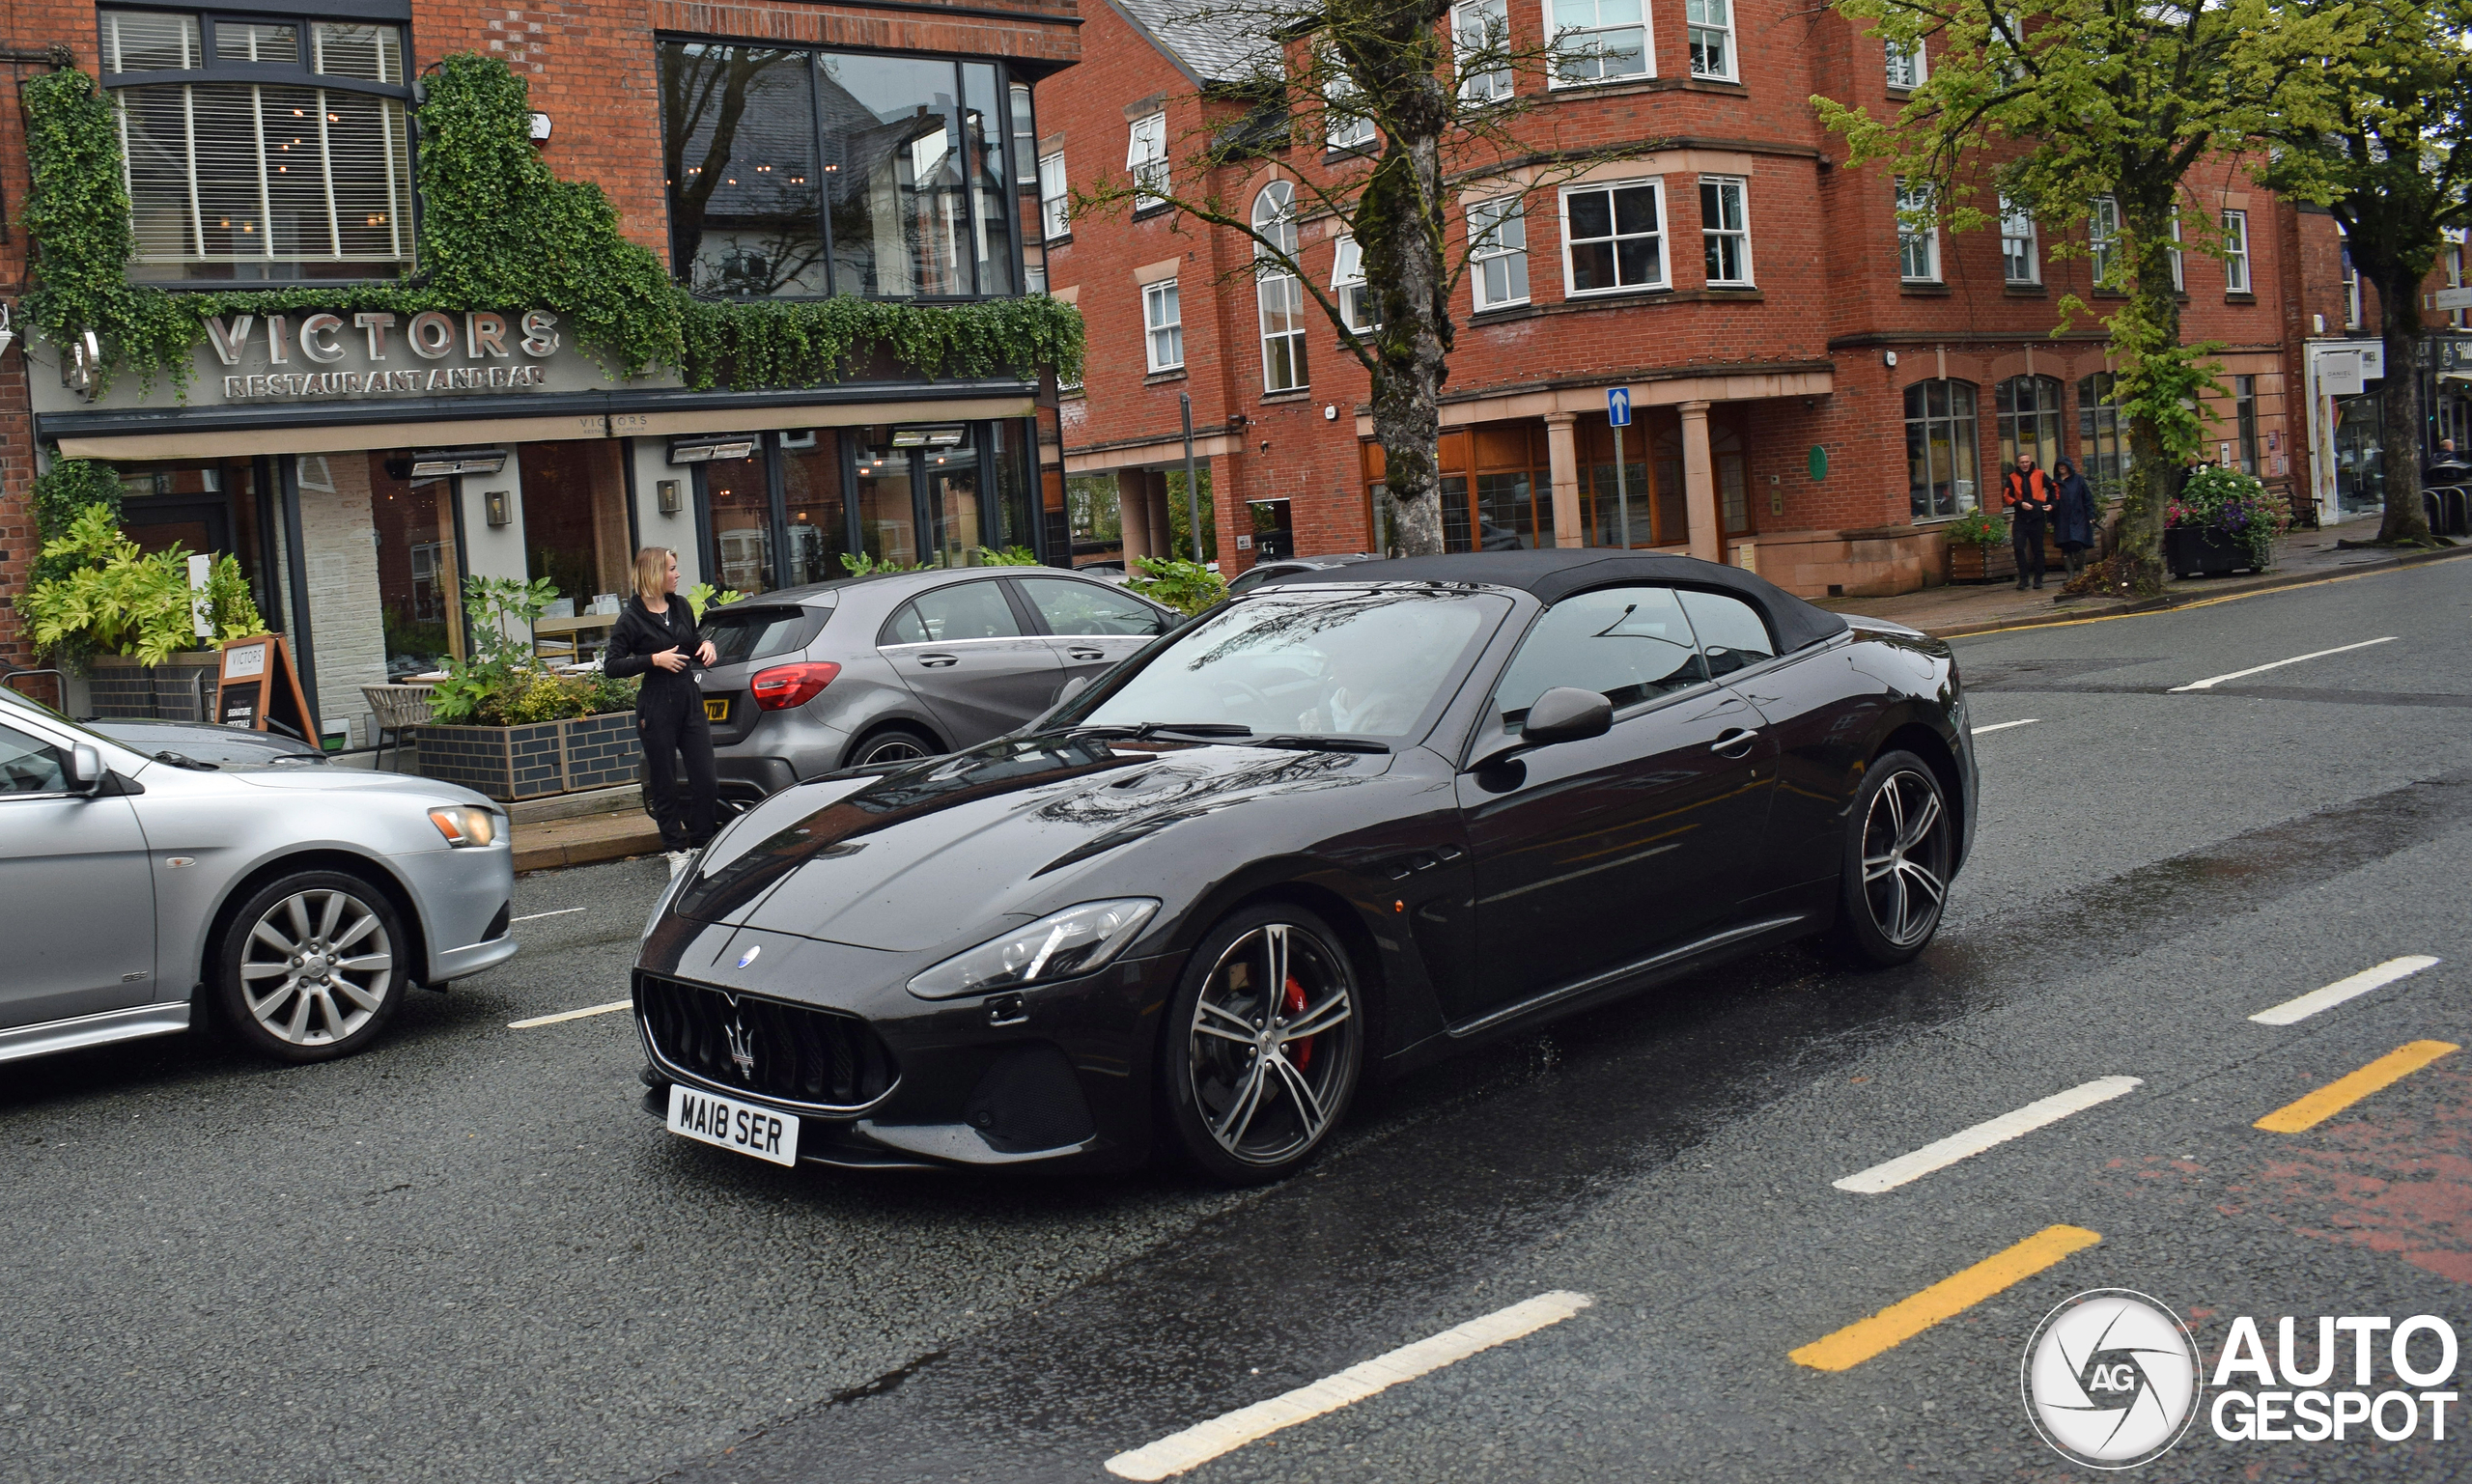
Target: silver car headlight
(465, 825)
(1076, 941)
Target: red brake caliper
(1293, 1002)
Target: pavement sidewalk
(1962, 608)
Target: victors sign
(376, 353)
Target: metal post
(1192, 485)
(1621, 488)
(288, 468)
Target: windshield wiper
(1149, 729)
(183, 759)
(1320, 743)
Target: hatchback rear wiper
(183, 759)
(1321, 744)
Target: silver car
(294, 905)
(883, 669)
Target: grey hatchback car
(883, 669)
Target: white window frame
(1157, 330)
(2353, 317)
(2017, 225)
(1557, 77)
(2179, 271)
(1480, 25)
(1910, 61)
(2455, 279)
(1275, 210)
(1145, 159)
(1702, 36)
(1662, 234)
(1347, 285)
(1491, 227)
(1340, 129)
(1056, 210)
(2236, 253)
(1919, 198)
(1740, 188)
(2102, 236)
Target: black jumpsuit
(669, 717)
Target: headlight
(1076, 940)
(465, 823)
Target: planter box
(1981, 564)
(181, 689)
(511, 763)
(2202, 552)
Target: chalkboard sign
(260, 690)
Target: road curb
(2186, 600)
(588, 851)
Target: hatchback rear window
(741, 633)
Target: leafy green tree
(2080, 107)
(2388, 164)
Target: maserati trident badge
(742, 1047)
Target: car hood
(947, 850)
(333, 780)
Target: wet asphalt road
(468, 1255)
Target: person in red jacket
(2027, 497)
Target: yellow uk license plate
(718, 710)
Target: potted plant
(505, 726)
(1978, 550)
(2221, 521)
(130, 618)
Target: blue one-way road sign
(1618, 405)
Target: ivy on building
(499, 229)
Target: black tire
(1901, 839)
(342, 928)
(893, 744)
(1243, 1118)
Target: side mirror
(1566, 714)
(85, 771)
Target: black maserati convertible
(1334, 829)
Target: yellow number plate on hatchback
(718, 710)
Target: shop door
(737, 499)
(887, 506)
(952, 506)
(921, 494)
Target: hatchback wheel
(894, 744)
(1264, 1043)
(310, 966)
(1900, 843)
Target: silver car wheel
(896, 748)
(1905, 858)
(1268, 1054)
(316, 967)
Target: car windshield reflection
(1310, 663)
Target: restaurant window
(575, 522)
(2102, 429)
(1278, 294)
(1615, 238)
(205, 510)
(899, 192)
(281, 154)
(1498, 252)
(1940, 449)
(420, 584)
(2029, 411)
(2244, 422)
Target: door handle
(1734, 742)
(938, 661)
(1087, 653)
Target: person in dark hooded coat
(2072, 515)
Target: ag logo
(2111, 1379)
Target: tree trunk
(2153, 311)
(1399, 229)
(2398, 410)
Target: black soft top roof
(1554, 574)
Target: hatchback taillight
(785, 686)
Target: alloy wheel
(317, 966)
(1271, 1044)
(892, 749)
(1905, 858)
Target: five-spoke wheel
(308, 969)
(893, 744)
(1265, 1044)
(1900, 849)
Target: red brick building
(1813, 390)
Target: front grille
(789, 1054)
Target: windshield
(1310, 662)
(10, 697)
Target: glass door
(887, 507)
(738, 500)
(814, 520)
(950, 496)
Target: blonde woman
(655, 637)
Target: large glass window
(420, 589)
(1498, 252)
(1940, 449)
(1280, 296)
(1599, 40)
(574, 522)
(2029, 411)
(1615, 237)
(903, 193)
(1725, 229)
(738, 510)
(2102, 429)
(283, 152)
(814, 521)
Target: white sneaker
(679, 860)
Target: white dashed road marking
(568, 1015)
(2212, 681)
(1199, 1444)
(2004, 726)
(1972, 1141)
(2335, 993)
(560, 913)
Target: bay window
(1614, 236)
(1600, 41)
(1498, 252)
